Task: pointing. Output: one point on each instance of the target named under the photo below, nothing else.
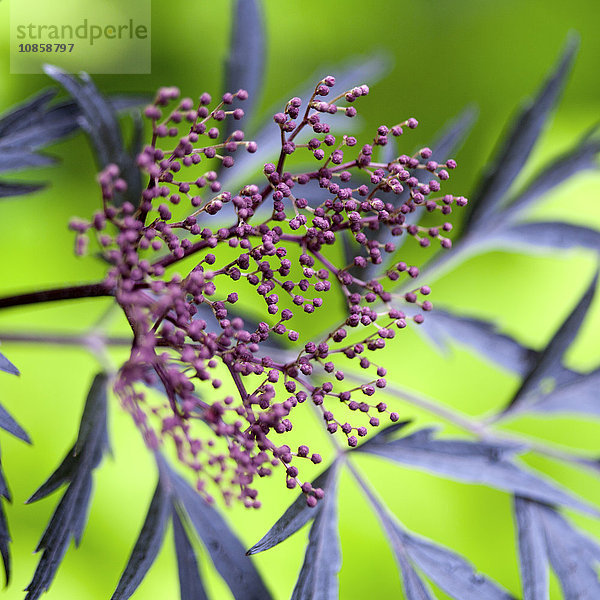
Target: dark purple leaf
(82, 503)
(59, 121)
(414, 587)
(4, 549)
(4, 491)
(578, 578)
(25, 114)
(296, 516)
(318, 577)
(474, 462)
(514, 150)
(61, 475)
(547, 234)
(385, 434)
(190, 584)
(7, 366)
(533, 561)
(441, 326)
(574, 557)
(15, 159)
(582, 157)
(99, 120)
(29, 140)
(63, 525)
(19, 189)
(92, 441)
(76, 469)
(245, 64)
(225, 549)
(97, 116)
(136, 144)
(147, 545)
(4, 532)
(550, 359)
(449, 571)
(9, 424)
(577, 396)
(33, 125)
(128, 102)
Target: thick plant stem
(61, 339)
(92, 290)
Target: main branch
(92, 290)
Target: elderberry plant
(225, 284)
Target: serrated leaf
(581, 157)
(550, 358)
(57, 122)
(579, 580)
(82, 501)
(61, 475)
(5, 538)
(19, 189)
(129, 102)
(136, 143)
(533, 562)
(98, 117)
(4, 491)
(7, 366)
(451, 572)
(516, 146)
(99, 120)
(69, 518)
(574, 557)
(547, 235)
(147, 545)
(318, 578)
(54, 542)
(474, 462)
(296, 515)
(92, 441)
(414, 587)
(478, 232)
(29, 140)
(385, 434)
(9, 424)
(190, 584)
(33, 125)
(225, 549)
(448, 570)
(13, 159)
(25, 114)
(580, 395)
(441, 326)
(244, 67)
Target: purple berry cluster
(226, 395)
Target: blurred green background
(444, 55)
